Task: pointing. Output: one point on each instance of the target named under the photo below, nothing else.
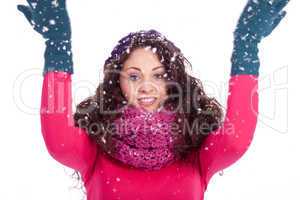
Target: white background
(203, 31)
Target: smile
(146, 101)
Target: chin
(149, 108)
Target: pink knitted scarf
(144, 139)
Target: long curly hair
(193, 107)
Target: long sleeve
(66, 143)
(227, 144)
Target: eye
(159, 76)
(133, 77)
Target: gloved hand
(258, 19)
(51, 20)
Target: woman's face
(142, 80)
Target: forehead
(142, 58)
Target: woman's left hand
(259, 18)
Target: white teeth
(148, 100)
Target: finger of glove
(278, 19)
(58, 3)
(32, 3)
(281, 4)
(26, 11)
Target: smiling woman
(149, 124)
(144, 86)
(148, 71)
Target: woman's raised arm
(227, 144)
(66, 143)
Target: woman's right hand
(48, 17)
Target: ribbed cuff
(58, 56)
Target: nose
(146, 87)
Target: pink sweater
(104, 179)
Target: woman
(135, 138)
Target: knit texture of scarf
(144, 139)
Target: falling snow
(103, 140)
(34, 4)
(199, 110)
(154, 50)
(52, 22)
(249, 9)
(173, 57)
(45, 29)
(55, 3)
(244, 36)
(221, 173)
(147, 48)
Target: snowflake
(52, 22)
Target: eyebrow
(155, 68)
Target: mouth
(146, 101)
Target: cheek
(128, 90)
(163, 90)
(124, 87)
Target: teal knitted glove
(258, 19)
(51, 20)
